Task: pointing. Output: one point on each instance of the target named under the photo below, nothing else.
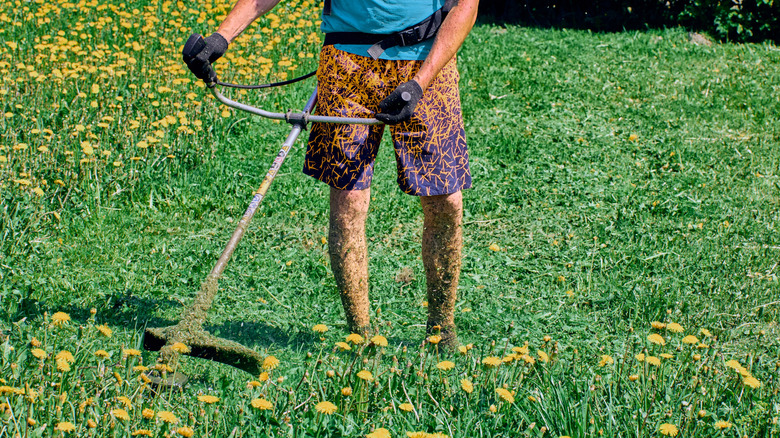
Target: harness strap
(410, 36)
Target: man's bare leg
(441, 253)
(349, 255)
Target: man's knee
(449, 207)
(349, 206)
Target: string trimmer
(188, 336)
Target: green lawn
(619, 179)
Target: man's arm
(244, 12)
(449, 38)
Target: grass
(620, 179)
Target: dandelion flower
(654, 361)
(606, 360)
(463, 349)
(346, 391)
(180, 347)
(406, 407)
(690, 339)
(467, 386)
(722, 424)
(379, 341)
(543, 356)
(208, 399)
(65, 356)
(668, 429)
(343, 346)
(491, 361)
(674, 327)
(125, 401)
(101, 354)
(320, 328)
(658, 325)
(666, 356)
(39, 353)
(325, 407)
(65, 426)
(63, 366)
(168, 417)
(143, 432)
(140, 368)
(35, 342)
(494, 247)
(270, 363)
(185, 431)
(253, 384)
(657, 339)
(434, 339)
(147, 413)
(752, 382)
(445, 365)
(120, 414)
(705, 332)
(104, 330)
(128, 352)
(263, 377)
(365, 375)
(493, 409)
(521, 350)
(262, 404)
(505, 395)
(633, 377)
(528, 359)
(379, 433)
(640, 357)
(355, 338)
(734, 364)
(60, 318)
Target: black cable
(274, 84)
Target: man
(413, 87)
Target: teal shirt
(382, 17)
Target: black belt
(410, 36)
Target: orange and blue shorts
(430, 148)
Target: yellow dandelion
(253, 384)
(346, 391)
(379, 433)
(168, 417)
(494, 247)
(320, 328)
(120, 414)
(128, 352)
(505, 395)
(668, 429)
(63, 366)
(640, 357)
(463, 349)
(185, 431)
(532, 399)
(35, 342)
(270, 363)
(657, 339)
(39, 353)
(521, 350)
(705, 332)
(208, 399)
(666, 356)
(104, 330)
(467, 386)
(180, 347)
(147, 413)
(355, 338)
(491, 361)
(417, 434)
(690, 339)
(263, 377)
(325, 407)
(722, 424)
(343, 346)
(140, 368)
(528, 359)
(658, 325)
(65, 426)
(606, 360)
(633, 377)
(654, 361)
(125, 401)
(697, 357)
(379, 341)
(434, 339)
(406, 407)
(543, 356)
(445, 365)
(674, 327)
(60, 318)
(365, 375)
(142, 432)
(734, 364)
(101, 354)
(262, 404)
(65, 356)
(752, 382)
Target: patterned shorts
(430, 148)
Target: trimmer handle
(194, 45)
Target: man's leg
(349, 255)
(441, 253)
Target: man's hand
(399, 105)
(199, 53)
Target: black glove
(399, 105)
(199, 53)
